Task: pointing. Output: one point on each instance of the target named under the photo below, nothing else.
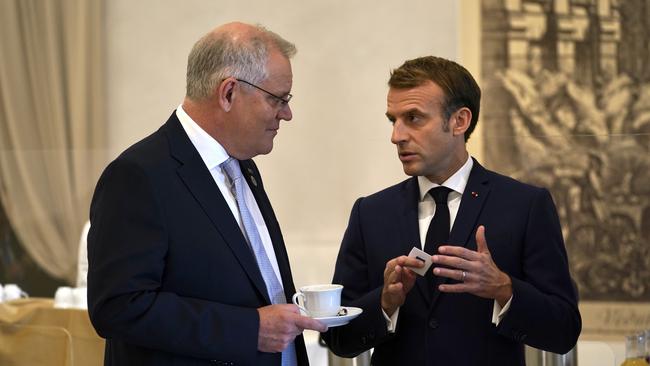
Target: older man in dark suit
(187, 265)
(500, 277)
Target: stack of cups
(71, 298)
(10, 292)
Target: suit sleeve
(352, 272)
(544, 311)
(127, 247)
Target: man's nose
(399, 134)
(285, 112)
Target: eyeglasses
(283, 101)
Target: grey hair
(217, 56)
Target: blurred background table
(33, 332)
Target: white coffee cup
(79, 298)
(63, 298)
(11, 291)
(319, 301)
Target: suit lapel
(474, 198)
(253, 177)
(409, 215)
(199, 182)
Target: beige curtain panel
(52, 128)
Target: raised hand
(398, 281)
(476, 271)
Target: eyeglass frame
(283, 101)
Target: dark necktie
(438, 232)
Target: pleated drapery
(52, 123)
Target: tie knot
(232, 169)
(440, 194)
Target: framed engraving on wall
(566, 105)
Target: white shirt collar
(456, 182)
(211, 151)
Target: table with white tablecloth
(33, 332)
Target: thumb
(481, 243)
(304, 322)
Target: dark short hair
(458, 85)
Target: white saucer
(338, 320)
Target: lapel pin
(474, 194)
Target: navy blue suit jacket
(171, 278)
(524, 237)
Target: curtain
(52, 123)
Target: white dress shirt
(427, 208)
(213, 154)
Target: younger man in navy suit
(500, 277)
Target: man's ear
(226, 93)
(460, 121)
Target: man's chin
(266, 149)
(410, 169)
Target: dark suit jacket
(171, 278)
(525, 240)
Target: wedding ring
(464, 275)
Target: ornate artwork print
(566, 105)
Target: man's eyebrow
(413, 111)
(406, 112)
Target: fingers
(402, 261)
(456, 251)
(293, 308)
(280, 324)
(476, 271)
(465, 280)
(481, 246)
(456, 288)
(481, 243)
(405, 261)
(393, 283)
(398, 281)
(397, 269)
(454, 274)
(454, 262)
(305, 322)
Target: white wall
(337, 146)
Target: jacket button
(433, 324)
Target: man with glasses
(187, 265)
(500, 275)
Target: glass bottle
(634, 349)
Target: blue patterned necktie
(273, 285)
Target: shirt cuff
(391, 321)
(499, 313)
